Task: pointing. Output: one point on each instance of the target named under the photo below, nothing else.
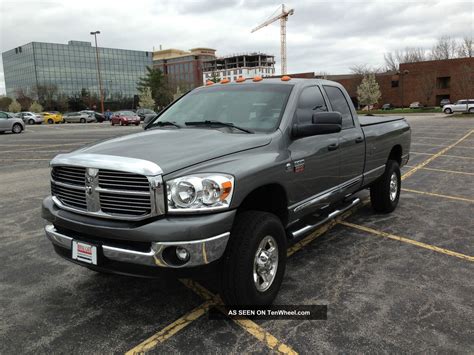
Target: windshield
(126, 113)
(256, 107)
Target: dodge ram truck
(224, 180)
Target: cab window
(339, 104)
(311, 100)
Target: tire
(31, 121)
(448, 111)
(121, 122)
(251, 232)
(17, 128)
(113, 124)
(385, 192)
(50, 121)
(471, 110)
(82, 120)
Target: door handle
(333, 146)
(359, 140)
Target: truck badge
(299, 166)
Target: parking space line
(443, 170)
(407, 240)
(439, 195)
(171, 329)
(433, 157)
(444, 155)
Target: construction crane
(283, 17)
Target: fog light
(182, 254)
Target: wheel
(50, 121)
(471, 110)
(136, 124)
(17, 128)
(385, 192)
(254, 262)
(121, 123)
(31, 121)
(112, 123)
(448, 111)
(83, 120)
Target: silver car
(10, 123)
(465, 105)
(30, 117)
(81, 117)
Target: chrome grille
(106, 193)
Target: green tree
(158, 84)
(5, 101)
(368, 92)
(14, 106)
(146, 101)
(36, 107)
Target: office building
(72, 68)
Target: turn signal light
(225, 81)
(257, 78)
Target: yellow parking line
(407, 240)
(439, 195)
(444, 155)
(433, 157)
(443, 170)
(171, 329)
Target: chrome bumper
(201, 252)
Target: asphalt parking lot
(401, 282)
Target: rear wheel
(31, 121)
(17, 128)
(385, 192)
(83, 120)
(471, 110)
(254, 261)
(50, 121)
(448, 111)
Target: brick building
(427, 82)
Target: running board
(299, 232)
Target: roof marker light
(225, 81)
(240, 79)
(285, 78)
(257, 78)
(209, 83)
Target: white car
(30, 117)
(465, 105)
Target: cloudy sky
(322, 36)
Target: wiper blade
(217, 123)
(166, 123)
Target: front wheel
(448, 111)
(385, 192)
(254, 261)
(50, 121)
(471, 110)
(17, 128)
(82, 120)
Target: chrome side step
(299, 232)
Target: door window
(3, 115)
(311, 100)
(339, 104)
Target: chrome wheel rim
(393, 187)
(265, 263)
(16, 129)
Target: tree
(5, 101)
(24, 100)
(36, 107)
(45, 95)
(427, 85)
(445, 48)
(14, 106)
(368, 92)
(408, 55)
(146, 101)
(364, 69)
(464, 84)
(466, 48)
(158, 84)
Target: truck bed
(372, 120)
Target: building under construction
(246, 65)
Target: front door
(315, 159)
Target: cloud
(328, 36)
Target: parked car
(125, 118)
(444, 102)
(387, 107)
(10, 123)
(416, 104)
(145, 113)
(464, 105)
(83, 117)
(30, 117)
(224, 185)
(97, 115)
(51, 117)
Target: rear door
(351, 141)
(315, 159)
(4, 122)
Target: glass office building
(72, 67)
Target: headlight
(201, 192)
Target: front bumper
(148, 243)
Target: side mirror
(322, 123)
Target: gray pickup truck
(224, 180)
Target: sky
(322, 36)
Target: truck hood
(174, 149)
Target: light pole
(95, 33)
(402, 74)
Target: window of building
(340, 104)
(443, 82)
(394, 83)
